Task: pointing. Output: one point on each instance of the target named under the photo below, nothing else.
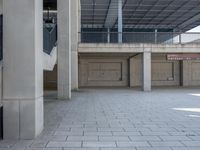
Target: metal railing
(141, 37)
(50, 37)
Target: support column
(23, 69)
(64, 49)
(74, 41)
(185, 73)
(147, 71)
(1, 7)
(1, 64)
(120, 22)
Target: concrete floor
(119, 119)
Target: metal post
(108, 35)
(180, 38)
(156, 36)
(120, 23)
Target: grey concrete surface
(119, 119)
(22, 87)
(75, 29)
(137, 48)
(64, 49)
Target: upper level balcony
(140, 37)
(137, 42)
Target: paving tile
(81, 149)
(166, 144)
(118, 148)
(185, 148)
(82, 138)
(191, 143)
(154, 148)
(175, 138)
(97, 133)
(114, 138)
(145, 138)
(118, 119)
(99, 144)
(132, 144)
(63, 144)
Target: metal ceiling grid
(167, 14)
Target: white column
(74, 41)
(120, 21)
(147, 71)
(23, 69)
(64, 49)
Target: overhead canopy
(150, 14)
(157, 14)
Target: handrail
(145, 32)
(140, 37)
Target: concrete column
(74, 41)
(79, 20)
(1, 6)
(120, 21)
(185, 73)
(1, 64)
(23, 68)
(64, 49)
(147, 71)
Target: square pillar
(1, 7)
(185, 73)
(120, 22)
(64, 49)
(147, 71)
(74, 41)
(23, 69)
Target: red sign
(183, 57)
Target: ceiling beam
(111, 14)
(188, 22)
(147, 12)
(171, 14)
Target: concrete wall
(50, 79)
(138, 48)
(103, 71)
(136, 71)
(190, 73)
(164, 73)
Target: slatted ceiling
(143, 13)
(140, 13)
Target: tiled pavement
(119, 119)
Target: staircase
(50, 46)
